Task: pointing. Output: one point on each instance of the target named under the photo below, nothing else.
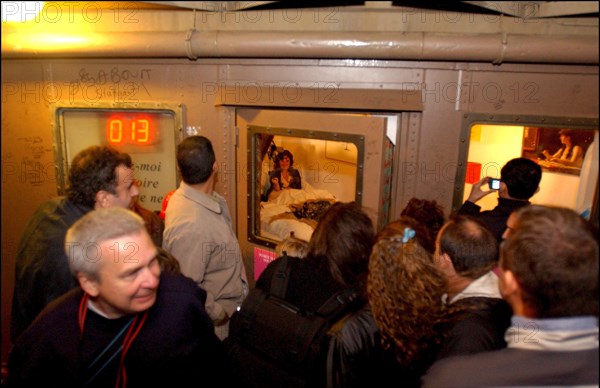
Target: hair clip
(408, 234)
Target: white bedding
(281, 227)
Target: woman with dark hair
(337, 260)
(285, 176)
(428, 213)
(569, 154)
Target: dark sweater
(176, 346)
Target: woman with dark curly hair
(429, 213)
(422, 233)
(405, 291)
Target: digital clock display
(149, 136)
(130, 128)
(131, 131)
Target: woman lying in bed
(294, 210)
(290, 205)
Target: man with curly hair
(99, 177)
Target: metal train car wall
(378, 102)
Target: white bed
(277, 219)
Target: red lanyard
(135, 325)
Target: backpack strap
(279, 282)
(338, 302)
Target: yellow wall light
(52, 42)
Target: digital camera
(494, 183)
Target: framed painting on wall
(559, 150)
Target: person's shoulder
(177, 197)
(56, 205)
(478, 327)
(516, 367)
(469, 370)
(54, 320)
(182, 210)
(264, 280)
(481, 312)
(469, 208)
(60, 211)
(358, 324)
(269, 271)
(54, 202)
(176, 289)
(44, 213)
(63, 303)
(484, 305)
(46, 228)
(173, 282)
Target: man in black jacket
(99, 177)
(519, 181)
(466, 251)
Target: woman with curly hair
(422, 233)
(405, 291)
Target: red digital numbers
(135, 129)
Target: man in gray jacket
(199, 233)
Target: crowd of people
(107, 295)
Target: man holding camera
(519, 181)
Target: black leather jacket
(42, 271)
(355, 356)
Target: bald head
(472, 248)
